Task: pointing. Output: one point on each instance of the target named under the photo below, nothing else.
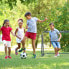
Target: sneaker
(16, 52)
(9, 57)
(21, 50)
(34, 55)
(58, 54)
(6, 57)
(55, 56)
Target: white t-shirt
(32, 25)
(20, 33)
(54, 34)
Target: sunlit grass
(46, 62)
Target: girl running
(6, 37)
(19, 33)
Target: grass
(46, 62)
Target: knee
(23, 42)
(5, 45)
(55, 48)
(58, 48)
(18, 47)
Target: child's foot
(6, 57)
(16, 52)
(58, 54)
(9, 57)
(55, 56)
(34, 55)
(21, 49)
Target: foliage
(63, 20)
(57, 12)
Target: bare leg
(33, 45)
(19, 45)
(9, 51)
(23, 46)
(23, 41)
(5, 49)
(56, 51)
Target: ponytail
(5, 21)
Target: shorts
(18, 40)
(56, 44)
(30, 35)
(8, 43)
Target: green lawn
(46, 62)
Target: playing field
(46, 62)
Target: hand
(46, 19)
(19, 38)
(26, 27)
(59, 40)
(14, 34)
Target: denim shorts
(55, 44)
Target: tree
(13, 3)
(63, 20)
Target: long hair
(5, 21)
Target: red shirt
(6, 33)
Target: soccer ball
(23, 55)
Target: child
(6, 37)
(32, 30)
(19, 33)
(54, 40)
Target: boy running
(54, 40)
(32, 30)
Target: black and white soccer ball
(23, 55)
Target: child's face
(20, 24)
(7, 24)
(28, 17)
(51, 26)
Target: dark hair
(20, 19)
(5, 21)
(27, 14)
(51, 24)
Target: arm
(42, 20)
(50, 42)
(12, 33)
(16, 33)
(60, 36)
(24, 31)
(50, 38)
(27, 27)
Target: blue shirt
(54, 35)
(32, 25)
